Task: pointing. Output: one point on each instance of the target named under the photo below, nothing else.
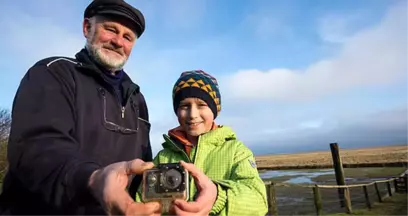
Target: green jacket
(229, 164)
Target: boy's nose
(194, 113)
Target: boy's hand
(206, 198)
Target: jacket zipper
(192, 183)
(191, 196)
(123, 112)
(196, 152)
(127, 101)
(122, 108)
(188, 160)
(118, 99)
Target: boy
(224, 162)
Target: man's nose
(118, 41)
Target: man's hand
(108, 185)
(207, 194)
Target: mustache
(112, 48)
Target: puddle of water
(300, 180)
(357, 180)
(289, 199)
(302, 177)
(279, 173)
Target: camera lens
(172, 179)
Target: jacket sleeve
(42, 151)
(245, 193)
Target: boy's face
(194, 116)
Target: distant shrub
(5, 123)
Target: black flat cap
(117, 8)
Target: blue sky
(294, 75)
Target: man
(80, 126)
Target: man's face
(194, 116)
(110, 41)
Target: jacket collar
(214, 137)
(88, 66)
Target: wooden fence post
(406, 182)
(378, 192)
(338, 169)
(317, 200)
(273, 208)
(396, 185)
(367, 198)
(347, 200)
(389, 188)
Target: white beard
(108, 59)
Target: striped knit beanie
(198, 84)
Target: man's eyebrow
(108, 24)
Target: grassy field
(395, 205)
(294, 199)
(361, 166)
(363, 157)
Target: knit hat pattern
(198, 84)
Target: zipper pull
(123, 112)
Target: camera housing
(167, 181)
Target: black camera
(167, 181)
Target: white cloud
(372, 56)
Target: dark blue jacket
(67, 121)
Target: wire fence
(297, 199)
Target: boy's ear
(177, 111)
